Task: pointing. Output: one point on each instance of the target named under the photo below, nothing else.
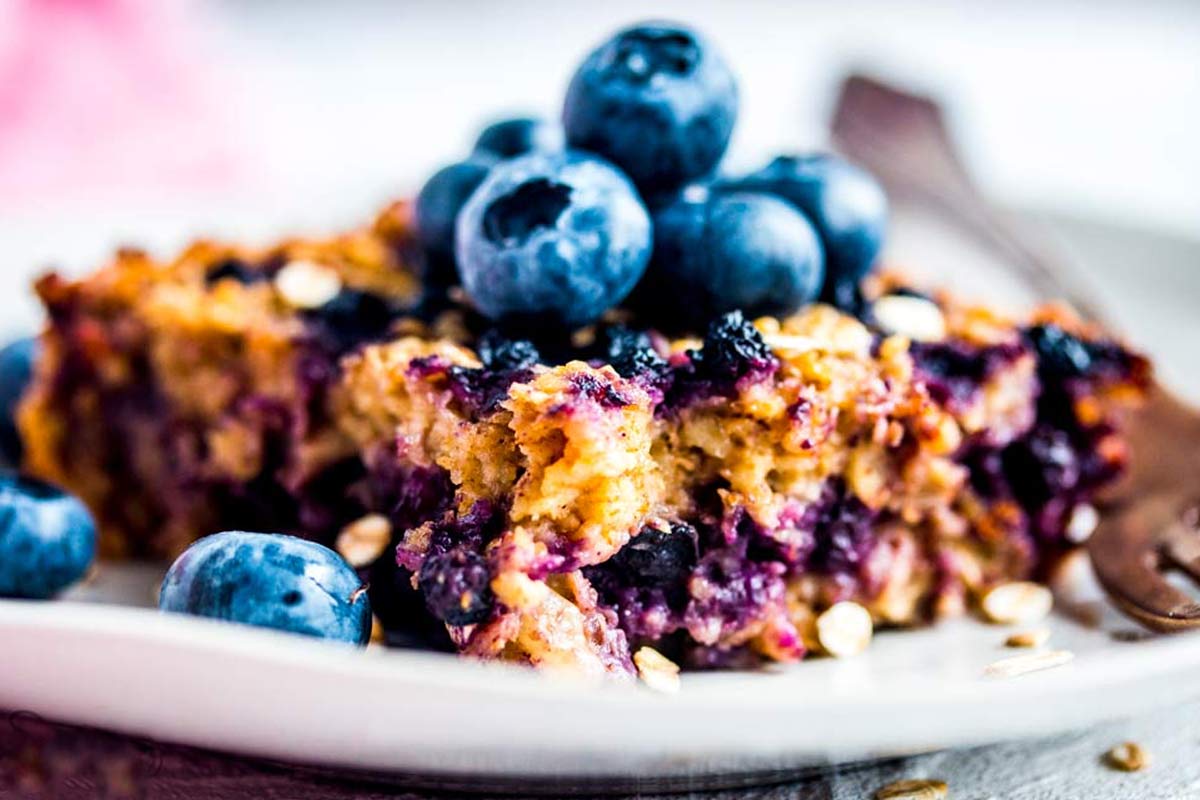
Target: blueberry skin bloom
(658, 101)
(719, 252)
(509, 138)
(552, 240)
(844, 202)
(270, 581)
(47, 539)
(16, 370)
(436, 210)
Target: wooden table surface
(44, 760)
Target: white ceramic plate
(237, 689)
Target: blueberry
(845, 534)
(658, 101)
(502, 354)
(270, 581)
(16, 370)
(845, 204)
(436, 209)
(350, 318)
(552, 240)
(515, 137)
(629, 352)
(656, 557)
(456, 586)
(714, 253)
(47, 539)
(733, 348)
(1063, 356)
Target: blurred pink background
(153, 121)
(100, 96)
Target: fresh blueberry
(658, 101)
(845, 204)
(718, 252)
(16, 370)
(270, 581)
(552, 240)
(47, 539)
(436, 209)
(516, 137)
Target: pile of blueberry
(549, 226)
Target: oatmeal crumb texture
(1128, 757)
(914, 789)
(752, 492)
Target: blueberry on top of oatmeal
(508, 138)
(844, 202)
(719, 252)
(552, 240)
(658, 101)
(436, 211)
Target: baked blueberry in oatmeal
(551, 466)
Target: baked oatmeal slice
(183, 397)
(711, 498)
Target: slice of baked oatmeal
(566, 503)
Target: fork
(1150, 522)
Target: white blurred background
(151, 121)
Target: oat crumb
(1014, 666)
(656, 670)
(1128, 757)
(844, 629)
(1017, 602)
(364, 540)
(1028, 639)
(913, 789)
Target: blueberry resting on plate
(270, 581)
(658, 101)
(16, 370)
(516, 137)
(47, 539)
(720, 252)
(436, 209)
(845, 204)
(552, 240)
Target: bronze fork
(1150, 523)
